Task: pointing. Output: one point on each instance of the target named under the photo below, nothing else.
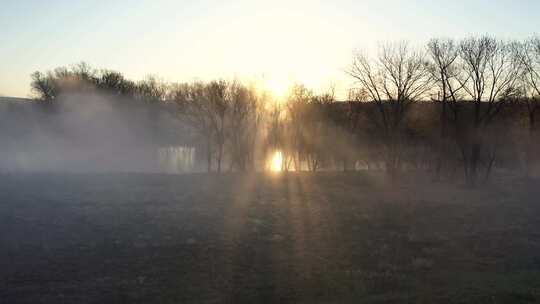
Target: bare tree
(347, 118)
(444, 54)
(297, 107)
(43, 87)
(78, 78)
(151, 89)
(315, 123)
(490, 73)
(81, 78)
(530, 55)
(115, 83)
(244, 123)
(194, 109)
(206, 107)
(219, 101)
(397, 78)
(275, 137)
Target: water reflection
(177, 159)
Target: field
(298, 238)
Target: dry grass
(324, 238)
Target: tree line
(451, 108)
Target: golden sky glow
(275, 43)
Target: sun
(278, 86)
(276, 162)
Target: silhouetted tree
(244, 124)
(43, 86)
(529, 52)
(151, 89)
(115, 83)
(195, 110)
(79, 78)
(408, 109)
(491, 70)
(397, 78)
(297, 103)
(444, 54)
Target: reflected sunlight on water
(276, 162)
(177, 159)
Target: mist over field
(83, 132)
(206, 151)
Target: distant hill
(14, 99)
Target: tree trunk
(220, 154)
(209, 155)
(474, 162)
(490, 166)
(531, 145)
(444, 134)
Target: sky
(275, 43)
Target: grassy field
(323, 238)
